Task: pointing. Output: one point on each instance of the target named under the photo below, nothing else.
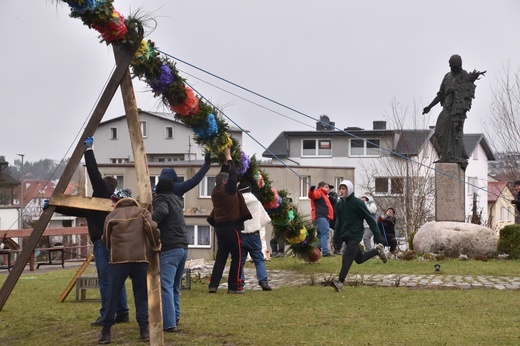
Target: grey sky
(347, 59)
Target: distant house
(500, 210)
(395, 167)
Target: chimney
(379, 125)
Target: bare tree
(401, 178)
(504, 124)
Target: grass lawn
(308, 315)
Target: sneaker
(265, 286)
(328, 255)
(98, 322)
(235, 292)
(104, 337)
(212, 290)
(381, 252)
(122, 318)
(144, 334)
(170, 330)
(337, 285)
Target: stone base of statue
(449, 192)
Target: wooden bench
(83, 283)
(50, 251)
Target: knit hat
(164, 185)
(168, 173)
(119, 194)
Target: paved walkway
(278, 278)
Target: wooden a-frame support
(120, 77)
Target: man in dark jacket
(129, 234)
(168, 212)
(350, 213)
(102, 188)
(227, 217)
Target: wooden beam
(72, 282)
(145, 198)
(123, 58)
(80, 202)
(49, 232)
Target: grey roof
(411, 142)
(472, 140)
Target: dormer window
(317, 147)
(370, 147)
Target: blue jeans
(172, 269)
(101, 257)
(252, 243)
(322, 224)
(117, 276)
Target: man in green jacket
(350, 213)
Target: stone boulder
(455, 239)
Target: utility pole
(20, 221)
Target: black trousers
(353, 253)
(229, 241)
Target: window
(206, 187)
(365, 147)
(144, 129)
(116, 160)
(169, 132)
(198, 236)
(154, 179)
(502, 214)
(392, 186)
(120, 181)
(472, 185)
(305, 184)
(316, 147)
(113, 133)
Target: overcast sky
(347, 59)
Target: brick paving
(279, 278)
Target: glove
(207, 159)
(313, 187)
(89, 141)
(45, 204)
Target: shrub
(509, 241)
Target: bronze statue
(455, 95)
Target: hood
(168, 173)
(349, 185)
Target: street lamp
(21, 195)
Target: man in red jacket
(322, 213)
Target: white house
(395, 167)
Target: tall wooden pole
(145, 198)
(123, 59)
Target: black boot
(145, 334)
(98, 322)
(265, 285)
(104, 337)
(122, 317)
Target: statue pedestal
(449, 193)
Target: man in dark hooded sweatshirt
(350, 212)
(168, 212)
